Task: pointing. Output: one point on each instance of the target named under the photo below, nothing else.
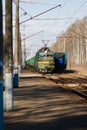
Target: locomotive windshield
(49, 55)
(45, 56)
(42, 55)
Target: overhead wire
(39, 3)
(79, 8)
(72, 17)
(32, 35)
(68, 18)
(25, 12)
(76, 13)
(40, 13)
(56, 18)
(49, 10)
(55, 23)
(62, 6)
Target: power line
(79, 7)
(75, 14)
(39, 3)
(32, 35)
(60, 18)
(23, 10)
(65, 3)
(40, 14)
(55, 19)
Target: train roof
(59, 54)
(44, 49)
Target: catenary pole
(8, 58)
(20, 53)
(1, 70)
(17, 41)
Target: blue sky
(49, 25)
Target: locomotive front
(45, 62)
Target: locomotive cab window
(49, 55)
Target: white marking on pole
(9, 91)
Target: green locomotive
(43, 61)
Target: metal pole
(24, 55)
(20, 53)
(17, 40)
(8, 58)
(1, 70)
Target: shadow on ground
(40, 105)
(69, 123)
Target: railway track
(74, 83)
(71, 81)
